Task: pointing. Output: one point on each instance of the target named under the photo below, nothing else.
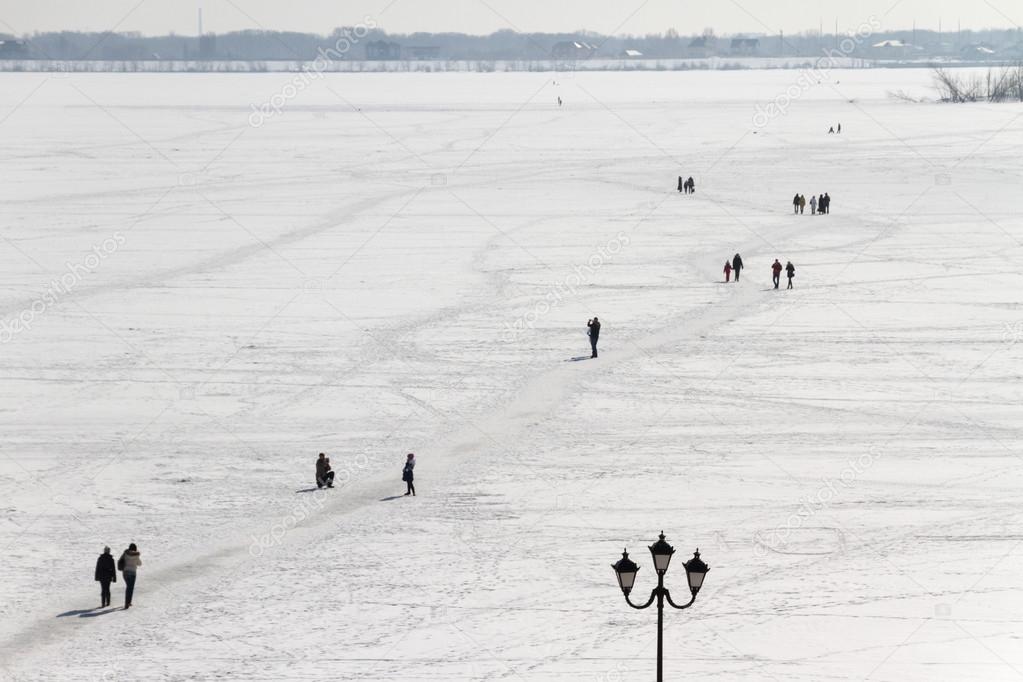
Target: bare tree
(953, 88)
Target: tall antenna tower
(200, 22)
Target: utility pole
(200, 22)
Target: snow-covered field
(406, 263)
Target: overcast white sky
(484, 16)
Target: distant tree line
(998, 85)
(991, 45)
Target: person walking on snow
(681, 185)
(776, 270)
(795, 204)
(106, 573)
(737, 266)
(827, 203)
(129, 564)
(728, 272)
(408, 476)
(594, 333)
(692, 185)
(802, 204)
(324, 475)
(790, 270)
(813, 205)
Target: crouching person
(324, 474)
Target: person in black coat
(106, 573)
(692, 185)
(737, 266)
(408, 474)
(790, 269)
(594, 332)
(681, 185)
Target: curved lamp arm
(653, 595)
(667, 596)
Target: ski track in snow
(328, 286)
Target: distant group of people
(832, 131)
(736, 266)
(818, 205)
(106, 573)
(687, 186)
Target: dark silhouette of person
(408, 476)
(594, 332)
(776, 271)
(106, 573)
(681, 185)
(692, 185)
(324, 474)
(827, 203)
(790, 270)
(737, 266)
(795, 204)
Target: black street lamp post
(661, 551)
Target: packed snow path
(414, 275)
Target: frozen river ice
(197, 300)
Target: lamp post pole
(660, 627)
(661, 551)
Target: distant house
(573, 49)
(979, 51)
(745, 46)
(891, 49)
(632, 54)
(13, 49)
(381, 50)
(702, 47)
(422, 52)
